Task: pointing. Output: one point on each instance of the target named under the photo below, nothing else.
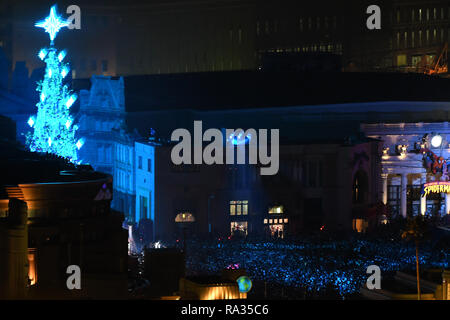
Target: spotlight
(436, 141)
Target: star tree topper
(52, 24)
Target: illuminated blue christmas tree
(54, 131)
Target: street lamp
(211, 196)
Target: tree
(53, 128)
(415, 230)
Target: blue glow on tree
(54, 131)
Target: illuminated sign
(435, 187)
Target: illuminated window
(239, 207)
(265, 221)
(239, 227)
(270, 221)
(275, 220)
(276, 210)
(301, 24)
(286, 220)
(420, 14)
(185, 217)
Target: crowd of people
(313, 264)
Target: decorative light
(42, 53)
(385, 153)
(52, 24)
(31, 121)
(436, 141)
(62, 55)
(239, 139)
(64, 71)
(53, 129)
(80, 143)
(71, 100)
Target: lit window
(265, 221)
(286, 220)
(275, 220)
(276, 210)
(239, 207)
(185, 217)
(239, 227)
(270, 221)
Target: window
(239, 208)
(394, 198)
(140, 162)
(276, 210)
(239, 228)
(149, 165)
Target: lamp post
(210, 197)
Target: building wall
(191, 36)
(314, 185)
(145, 181)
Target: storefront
(414, 166)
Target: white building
(145, 180)
(102, 109)
(414, 156)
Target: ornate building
(102, 109)
(414, 156)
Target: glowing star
(49, 141)
(52, 24)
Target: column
(403, 195)
(423, 200)
(384, 179)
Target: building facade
(414, 156)
(102, 109)
(190, 36)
